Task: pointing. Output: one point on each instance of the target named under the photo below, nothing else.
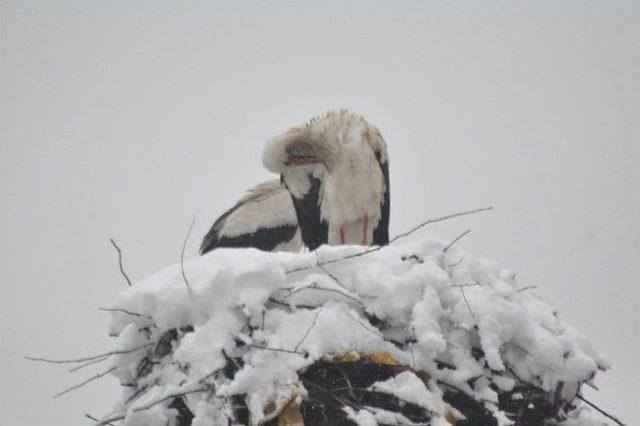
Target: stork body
(336, 174)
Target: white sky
(126, 119)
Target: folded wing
(264, 219)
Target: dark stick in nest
(124, 274)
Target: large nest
(409, 334)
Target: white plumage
(334, 171)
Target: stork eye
(300, 160)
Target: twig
(290, 306)
(466, 285)
(136, 394)
(592, 385)
(453, 265)
(88, 363)
(184, 247)
(396, 238)
(276, 349)
(297, 290)
(377, 333)
(90, 417)
(77, 360)
(152, 404)
(455, 240)
(600, 410)
(475, 320)
(346, 379)
(135, 314)
(230, 358)
(124, 274)
(439, 219)
(333, 277)
(171, 396)
(308, 331)
(306, 381)
(314, 286)
(412, 339)
(89, 380)
(529, 287)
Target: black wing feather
(266, 237)
(381, 233)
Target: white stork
(333, 189)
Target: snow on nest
(436, 307)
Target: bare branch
(90, 417)
(466, 285)
(600, 410)
(124, 274)
(333, 277)
(475, 320)
(89, 358)
(88, 363)
(439, 219)
(592, 385)
(276, 349)
(412, 339)
(108, 420)
(314, 286)
(456, 239)
(290, 306)
(124, 311)
(89, 380)
(170, 396)
(184, 247)
(396, 238)
(453, 265)
(153, 404)
(308, 331)
(377, 333)
(529, 287)
(136, 394)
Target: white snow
(437, 307)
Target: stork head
(334, 164)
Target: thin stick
(333, 277)
(171, 396)
(136, 394)
(396, 238)
(439, 219)
(124, 274)
(90, 417)
(290, 306)
(89, 358)
(314, 286)
(152, 404)
(184, 247)
(276, 349)
(124, 311)
(529, 287)
(412, 338)
(475, 320)
(600, 410)
(89, 380)
(466, 285)
(88, 363)
(453, 265)
(455, 240)
(308, 331)
(367, 328)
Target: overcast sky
(126, 119)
